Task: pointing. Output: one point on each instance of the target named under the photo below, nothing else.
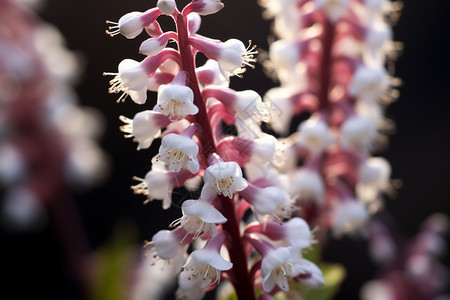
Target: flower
(145, 126)
(205, 7)
(314, 135)
(130, 80)
(334, 9)
(283, 262)
(152, 46)
(159, 183)
(269, 201)
(231, 55)
(178, 152)
(12, 164)
(373, 177)
(358, 132)
(349, 216)
(131, 24)
(175, 101)
(281, 108)
(223, 178)
(234, 56)
(295, 232)
(248, 105)
(167, 7)
(368, 83)
(204, 265)
(284, 56)
(155, 185)
(307, 185)
(199, 217)
(210, 74)
(168, 246)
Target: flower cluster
(48, 142)
(330, 60)
(409, 269)
(194, 105)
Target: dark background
(418, 151)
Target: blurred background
(35, 262)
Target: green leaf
(112, 264)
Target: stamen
(112, 30)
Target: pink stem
(239, 273)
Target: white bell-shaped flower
(206, 7)
(334, 9)
(349, 216)
(358, 132)
(157, 184)
(12, 164)
(314, 135)
(175, 101)
(234, 56)
(284, 57)
(210, 74)
(178, 152)
(199, 217)
(130, 80)
(144, 127)
(283, 262)
(223, 178)
(265, 148)
(269, 202)
(131, 24)
(154, 45)
(281, 109)
(307, 185)
(205, 265)
(167, 245)
(368, 83)
(167, 7)
(249, 105)
(297, 233)
(373, 177)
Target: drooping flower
(131, 24)
(204, 7)
(130, 80)
(175, 101)
(144, 127)
(235, 56)
(178, 152)
(279, 264)
(295, 232)
(167, 7)
(373, 178)
(307, 185)
(334, 9)
(223, 178)
(314, 135)
(358, 132)
(199, 217)
(204, 266)
(232, 55)
(159, 183)
(269, 202)
(168, 245)
(367, 83)
(154, 45)
(348, 217)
